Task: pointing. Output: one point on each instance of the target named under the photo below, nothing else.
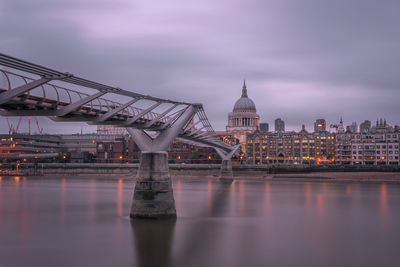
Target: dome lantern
(244, 103)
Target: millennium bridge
(153, 123)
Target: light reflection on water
(120, 197)
(84, 222)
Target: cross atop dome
(244, 90)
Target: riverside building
(290, 147)
(377, 146)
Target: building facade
(26, 147)
(379, 146)
(290, 147)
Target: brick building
(290, 147)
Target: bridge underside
(34, 95)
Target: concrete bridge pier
(153, 196)
(226, 173)
(226, 170)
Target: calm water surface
(84, 222)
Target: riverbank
(329, 177)
(188, 169)
(341, 177)
(321, 173)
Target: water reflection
(92, 199)
(201, 235)
(1, 198)
(267, 197)
(384, 207)
(178, 196)
(241, 198)
(153, 241)
(120, 197)
(308, 195)
(209, 198)
(219, 224)
(62, 200)
(349, 189)
(320, 203)
(219, 199)
(232, 193)
(153, 238)
(384, 199)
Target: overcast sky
(302, 60)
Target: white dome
(244, 104)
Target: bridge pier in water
(226, 170)
(153, 196)
(226, 173)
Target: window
(378, 146)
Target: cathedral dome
(244, 104)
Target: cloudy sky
(302, 59)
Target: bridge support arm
(74, 106)
(153, 195)
(226, 173)
(116, 110)
(165, 138)
(10, 94)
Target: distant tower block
(319, 126)
(279, 125)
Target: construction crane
(37, 124)
(14, 130)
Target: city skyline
(343, 64)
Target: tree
(194, 154)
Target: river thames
(85, 222)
